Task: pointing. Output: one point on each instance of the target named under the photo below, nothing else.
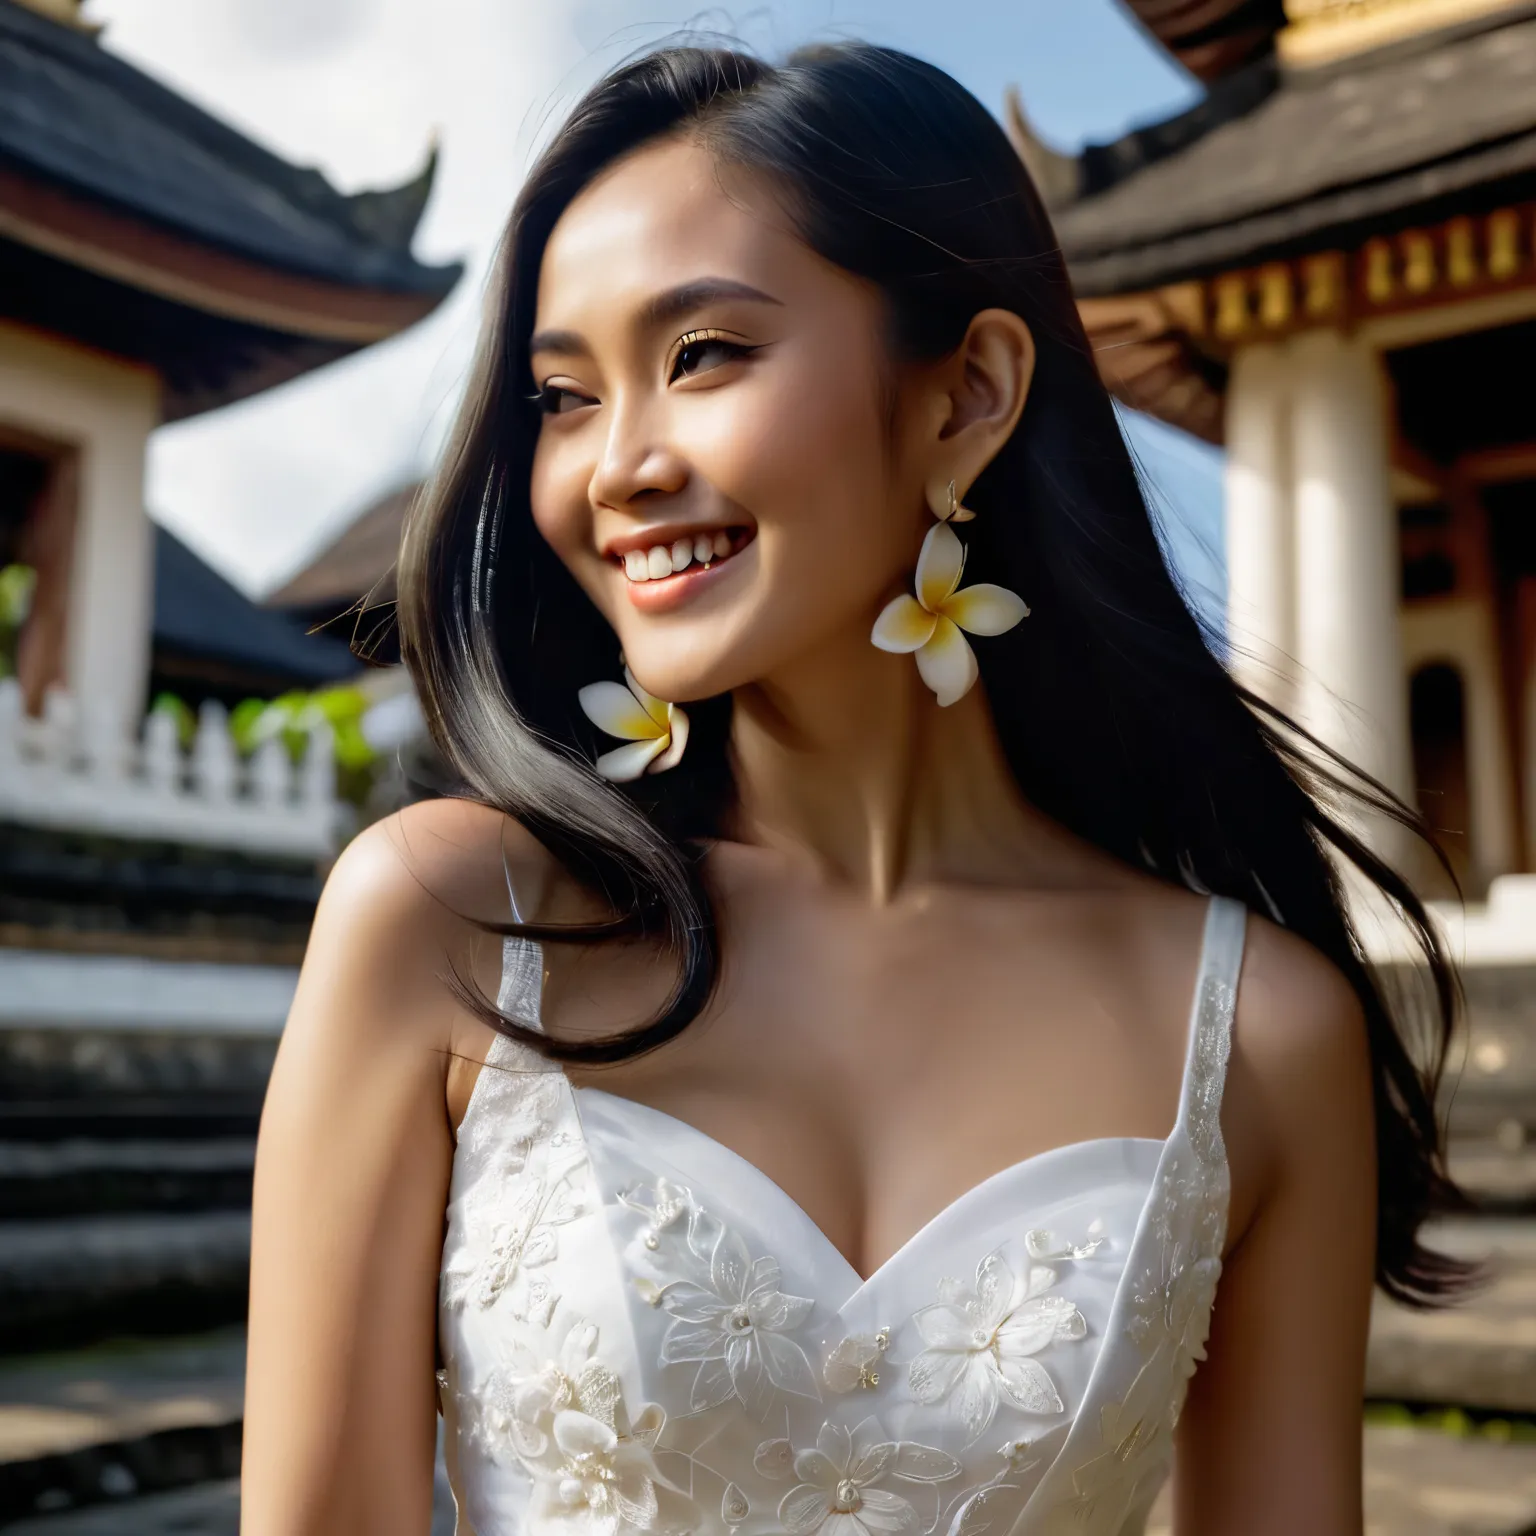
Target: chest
(877, 1067)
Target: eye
(552, 400)
(699, 351)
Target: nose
(637, 462)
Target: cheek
(557, 493)
(807, 453)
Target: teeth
(662, 560)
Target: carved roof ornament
(1058, 176)
(1320, 31)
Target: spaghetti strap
(1210, 1025)
(521, 994)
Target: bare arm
(1269, 1444)
(351, 1185)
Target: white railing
(64, 772)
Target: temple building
(1329, 266)
(157, 880)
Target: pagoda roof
(109, 174)
(1276, 162)
(203, 622)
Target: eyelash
(549, 396)
(706, 338)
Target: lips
(661, 573)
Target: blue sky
(359, 87)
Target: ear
(984, 384)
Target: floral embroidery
(729, 1316)
(853, 1361)
(1047, 1247)
(518, 1236)
(593, 1469)
(663, 1204)
(841, 1490)
(981, 1342)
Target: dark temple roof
(1274, 163)
(79, 116)
(139, 224)
(204, 625)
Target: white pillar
(103, 411)
(111, 586)
(1353, 693)
(1261, 626)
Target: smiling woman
(785, 417)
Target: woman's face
(717, 464)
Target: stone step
(140, 1438)
(211, 1509)
(1480, 1353)
(88, 1176)
(67, 1281)
(123, 1418)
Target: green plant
(291, 717)
(17, 584)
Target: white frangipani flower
(931, 622)
(981, 1341)
(656, 732)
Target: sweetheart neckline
(862, 1283)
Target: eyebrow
(668, 305)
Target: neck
(845, 758)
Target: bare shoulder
(1297, 1013)
(440, 861)
(406, 907)
(1298, 1109)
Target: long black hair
(1115, 717)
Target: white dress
(642, 1333)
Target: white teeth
(662, 560)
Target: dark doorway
(1438, 720)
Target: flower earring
(656, 732)
(929, 624)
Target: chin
(681, 682)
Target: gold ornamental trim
(1417, 268)
(1320, 31)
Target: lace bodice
(642, 1333)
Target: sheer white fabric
(642, 1333)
